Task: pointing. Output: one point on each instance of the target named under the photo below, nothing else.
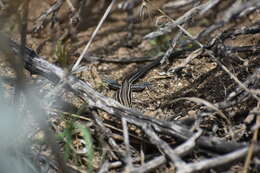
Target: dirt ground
(201, 78)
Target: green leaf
(89, 145)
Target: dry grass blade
(253, 142)
(208, 104)
(187, 60)
(84, 52)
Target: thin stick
(75, 66)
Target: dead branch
(42, 20)
(171, 25)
